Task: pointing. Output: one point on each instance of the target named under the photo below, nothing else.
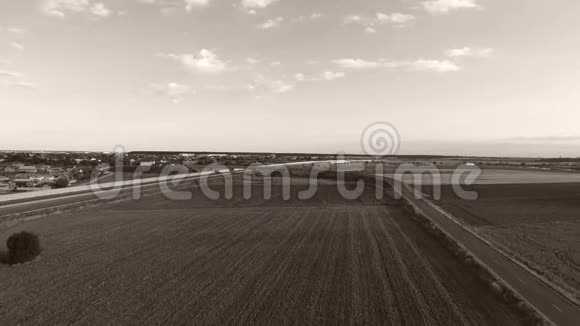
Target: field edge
(504, 291)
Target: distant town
(30, 171)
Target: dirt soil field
(537, 223)
(322, 261)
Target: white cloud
(331, 75)
(314, 16)
(205, 62)
(327, 75)
(99, 9)
(15, 29)
(176, 92)
(21, 84)
(446, 6)
(60, 8)
(271, 23)
(395, 18)
(14, 79)
(352, 19)
(418, 65)
(299, 76)
(469, 52)
(11, 74)
(252, 61)
(275, 86)
(356, 63)
(370, 29)
(17, 46)
(192, 4)
(434, 65)
(370, 23)
(257, 4)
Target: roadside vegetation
(536, 224)
(529, 315)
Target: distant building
(151, 163)
(57, 170)
(190, 164)
(103, 167)
(28, 169)
(43, 168)
(10, 169)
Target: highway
(21, 205)
(18, 205)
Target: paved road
(550, 303)
(37, 202)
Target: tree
(22, 247)
(61, 182)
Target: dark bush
(22, 247)
(61, 182)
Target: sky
(453, 77)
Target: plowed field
(323, 261)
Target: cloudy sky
(480, 77)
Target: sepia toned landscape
(289, 162)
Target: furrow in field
(386, 269)
(149, 276)
(262, 290)
(237, 268)
(214, 262)
(418, 269)
(371, 281)
(116, 270)
(326, 290)
(394, 255)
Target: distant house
(10, 169)
(43, 168)
(28, 169)
(151, 163)
(103, 167)
(56, 170)
(190, 164)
